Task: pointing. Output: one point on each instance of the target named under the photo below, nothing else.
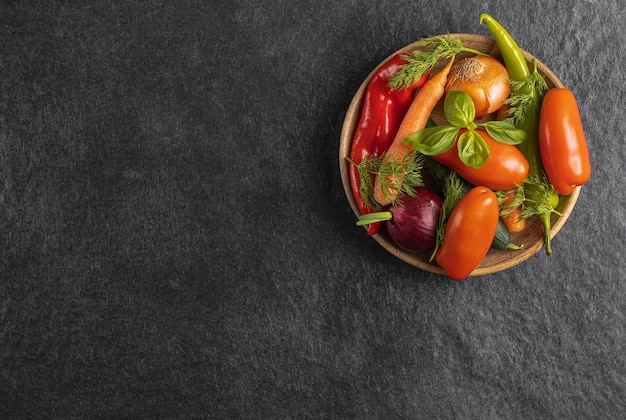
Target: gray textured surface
(176, 243)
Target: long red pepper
(381, 115)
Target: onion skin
(414, 223)
(484, 79)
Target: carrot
(414, 120)
(513, 220)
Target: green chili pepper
(539, 196)
(511, 53)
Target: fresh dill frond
(452, 193)
(508, 206)
(367, 169)
(537, 201)
(399, 178)
(422, 60)
(409, 169)
(526, 96)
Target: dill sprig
(409, 169)
(452, 193)
(422, 60)
(367, 170)
(508, 207)
(526, 96)
(541, 201)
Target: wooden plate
(531, 238)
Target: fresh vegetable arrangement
(507, 150)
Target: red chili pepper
(562, 141)
(381, 115)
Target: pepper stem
(545, 220)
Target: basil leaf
(434, 140)
(473, 149)
(504, 132)
(459, 108)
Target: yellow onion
(484, 79)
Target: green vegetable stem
(527, 89)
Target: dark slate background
(175, 241)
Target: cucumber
(439, 172)
(502, 238)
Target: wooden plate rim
(419, 260)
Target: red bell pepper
(381, 114)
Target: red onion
(413, 224)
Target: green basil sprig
(473, 150)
